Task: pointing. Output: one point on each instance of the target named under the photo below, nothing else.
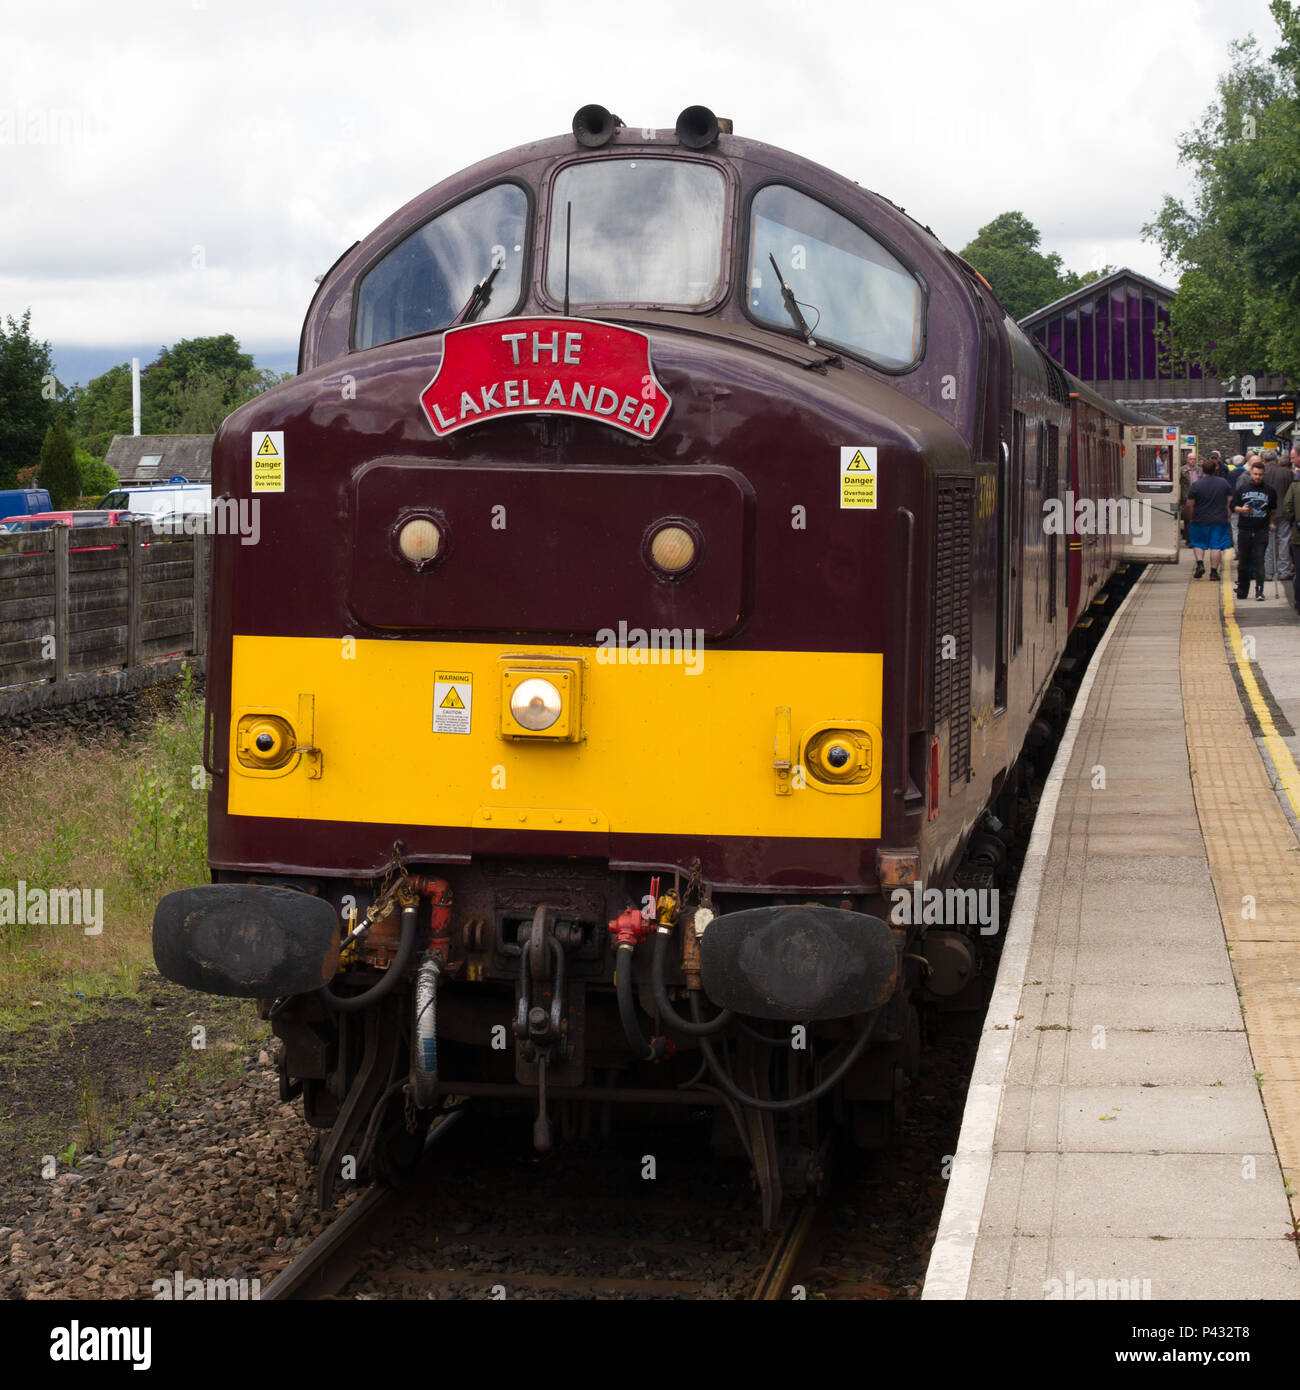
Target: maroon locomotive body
(652, 546)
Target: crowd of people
(1250, 503)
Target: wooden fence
(97, 611)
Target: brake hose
(670, 1016)
(646, 1049)
(387, 981)
(793, 1102)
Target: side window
(426, 279)
(850, 290)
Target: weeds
(168, 812)
(123, 816)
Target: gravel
(217, 1188)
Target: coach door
(1150, 489)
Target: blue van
(23, 501)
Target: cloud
(189, 166)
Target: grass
(128, 817)
(123, 817)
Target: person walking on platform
(1234, 473)
(1256, 508)
(1207, 502)
(1278, 476)
(1291, 512)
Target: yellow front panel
(664, 751)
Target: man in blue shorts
(1208, 499)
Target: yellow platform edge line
(1271, 1051)
(1284, 764)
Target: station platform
(1132, 1128)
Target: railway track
(481, 1222)
(334, 1258)
(789, 1251)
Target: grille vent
(954, 508)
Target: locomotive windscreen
(644, 231)
(852, 291)
(427, 278)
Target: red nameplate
(546, 366)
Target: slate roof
(189, 455)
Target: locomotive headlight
(541, 698)
(673, 548)
(419, 540)
(535, 703)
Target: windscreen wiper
(478, 299)
(791, 304)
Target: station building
(1107, 334)
(154, 458)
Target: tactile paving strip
(1253, 854)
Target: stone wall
(1204, 419)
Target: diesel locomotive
(653, 598)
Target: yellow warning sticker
(453, 701)
(858, 476)
(268, 460)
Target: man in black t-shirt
(1256, 509)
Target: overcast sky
(177, 168)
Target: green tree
(220, 356)
(1236, 243)
(1006, 254)
(190, 389)
(97, 477)
(199, 402)
(103, 409)
(28, 396)
(59, 472)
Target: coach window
(425, 281)
(848, 289)
(636, 231)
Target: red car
(43, 521)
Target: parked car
(24, 501)
(43, 521)
(162, 500)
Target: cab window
(424, 282)
(850, 290)
(637, 231)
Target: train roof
(1129, 414)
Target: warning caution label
(858, 476)
(268, 460)
(453, 701)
